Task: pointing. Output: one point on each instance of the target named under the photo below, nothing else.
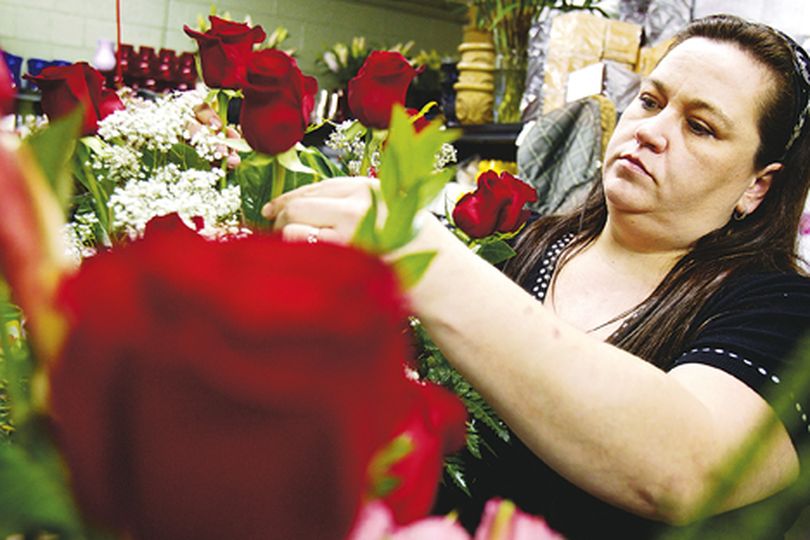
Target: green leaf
(323, 166)
(99, 191)
(33, 498)
(240, 145)
(366, 235)
(289, 160)
(496, 252)
(411, 267)
(255, 179)
(187, 157)
(432, 185)
(398, 229)
(53, 148)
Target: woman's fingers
(298, 232)
(331, 188)
(339, 214)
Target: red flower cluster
(278, 97)
(65, 87)
(230, 390)
(497, 205)
(225, 51)
(382, 81)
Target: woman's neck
(639, 254)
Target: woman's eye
(698, 128)
(647, 103)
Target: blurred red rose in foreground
(278, 102)
(228, 390)
(495, 206)
(65, 87)
(225, 50)
(435, 426)
(382, 81)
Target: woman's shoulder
(762, 291)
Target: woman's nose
(651, 133)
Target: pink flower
(502, 520)
(376, 522)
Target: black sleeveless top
(748, 329)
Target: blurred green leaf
(53, 148)
(411, 267)
(366, 235)
(408, 180)
(33, 498)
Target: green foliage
(495, 250)
(434, 367)
(408, 180)
(53, 148)
(410, 267)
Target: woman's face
(682, 155)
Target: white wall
(69, 29)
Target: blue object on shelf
(14, 64)
(34, 66)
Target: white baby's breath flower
(191, 193)
(446, 155)
(79, 236)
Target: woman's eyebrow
(693, 102)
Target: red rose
(225, 50)
(435, 426)
(64, 87)
(382, 81)
(227, 390)
(6, 88)
(495, 206)
(278, 102)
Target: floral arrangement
(174, 323)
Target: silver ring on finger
(313, 236)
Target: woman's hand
(205, 115)
(327, 211)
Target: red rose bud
(382, 81)
(6, 88)
(435, 426)
(495, 206)
(225, 50)
(65, 87)
(278, 102)
(32, 256)
(244, 396)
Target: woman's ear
(756, 190)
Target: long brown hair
(763, 241)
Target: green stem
(222, 107)
(279, 174)
(366, 162)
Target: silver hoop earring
(738, 215)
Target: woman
(670, 301)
